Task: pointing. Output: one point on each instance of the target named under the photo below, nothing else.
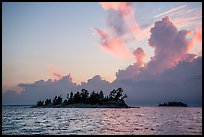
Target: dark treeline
(173, 104)
(115, 96)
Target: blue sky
(39, 35)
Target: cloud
(143, 33)
(120, 13)
(198, 35)
(186, 21)
(55, 72)
(133, 70)
(170, 45)
(97, 83)
(188, 18)
(114, 45)
(112, 5)
(57, 76)
(122, 25)
(116, 24)
(139, 56)
(123, 15)
(173, 73)
(182, 16)
(41, 90)
(180, 83)
(170, 11)
(129, 72)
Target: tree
(40, 103)
(57, 100)
(122, 99)
(84, 95)
(77, 97)
(67, 96)
(125, 96)
(65, 102)
(47, 102)
(94, 98)
(101, 96)
(119, 93)
(54, 101)
(71, 98)
(112, 95)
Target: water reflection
(136, 121)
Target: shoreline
(81, 105)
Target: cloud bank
(181, 83)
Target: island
(82, 99)
(173, 104)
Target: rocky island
(82, 99)
(173, 104)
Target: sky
(100, 45)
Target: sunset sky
(44, 41)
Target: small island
(173, 104)
(82, 99)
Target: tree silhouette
(115, 97)
(40, 103)
(84, 95)
(101, 97)
(71, 98)
(48, 102)
(77, 97)
(57, 100)
(174, 104)
(112, 94)
(119, 93)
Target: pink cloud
(143, 33)
(55, 72)
(171, 45)
(198, 35)
(139, 56)
(113, 5)
(57, 76)
(121, 23)
(196, 41)
(114, 45)
(133, 70)
(127, 16)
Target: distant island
(82, 99)
(174, 104)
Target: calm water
(137, 121)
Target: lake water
(81, 121)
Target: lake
(23, 120)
